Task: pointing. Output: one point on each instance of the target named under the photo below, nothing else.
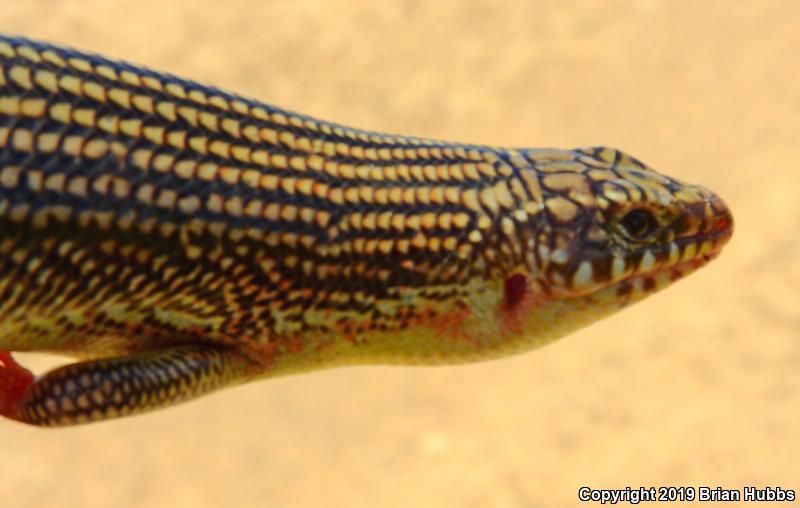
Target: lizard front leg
(96, 390)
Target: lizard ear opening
(516, 287)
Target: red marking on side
(449, 322)
(518, 302)
(345, 329)
(263, 354)
(295, 345)
(516, 287)
(195, 330)
(451, 326)
(14, 382)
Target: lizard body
(177, 239)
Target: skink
(176, 239)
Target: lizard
(175, 239)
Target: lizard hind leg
(106, 388)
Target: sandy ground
(697, 386)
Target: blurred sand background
(697, 386)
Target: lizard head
(611, 232)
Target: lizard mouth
(631, 275)
(687, 242)
(698, 250)
(675, 261)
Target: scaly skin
(177, 239)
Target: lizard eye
(638, 224)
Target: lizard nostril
(723, 220)
(722, 223)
